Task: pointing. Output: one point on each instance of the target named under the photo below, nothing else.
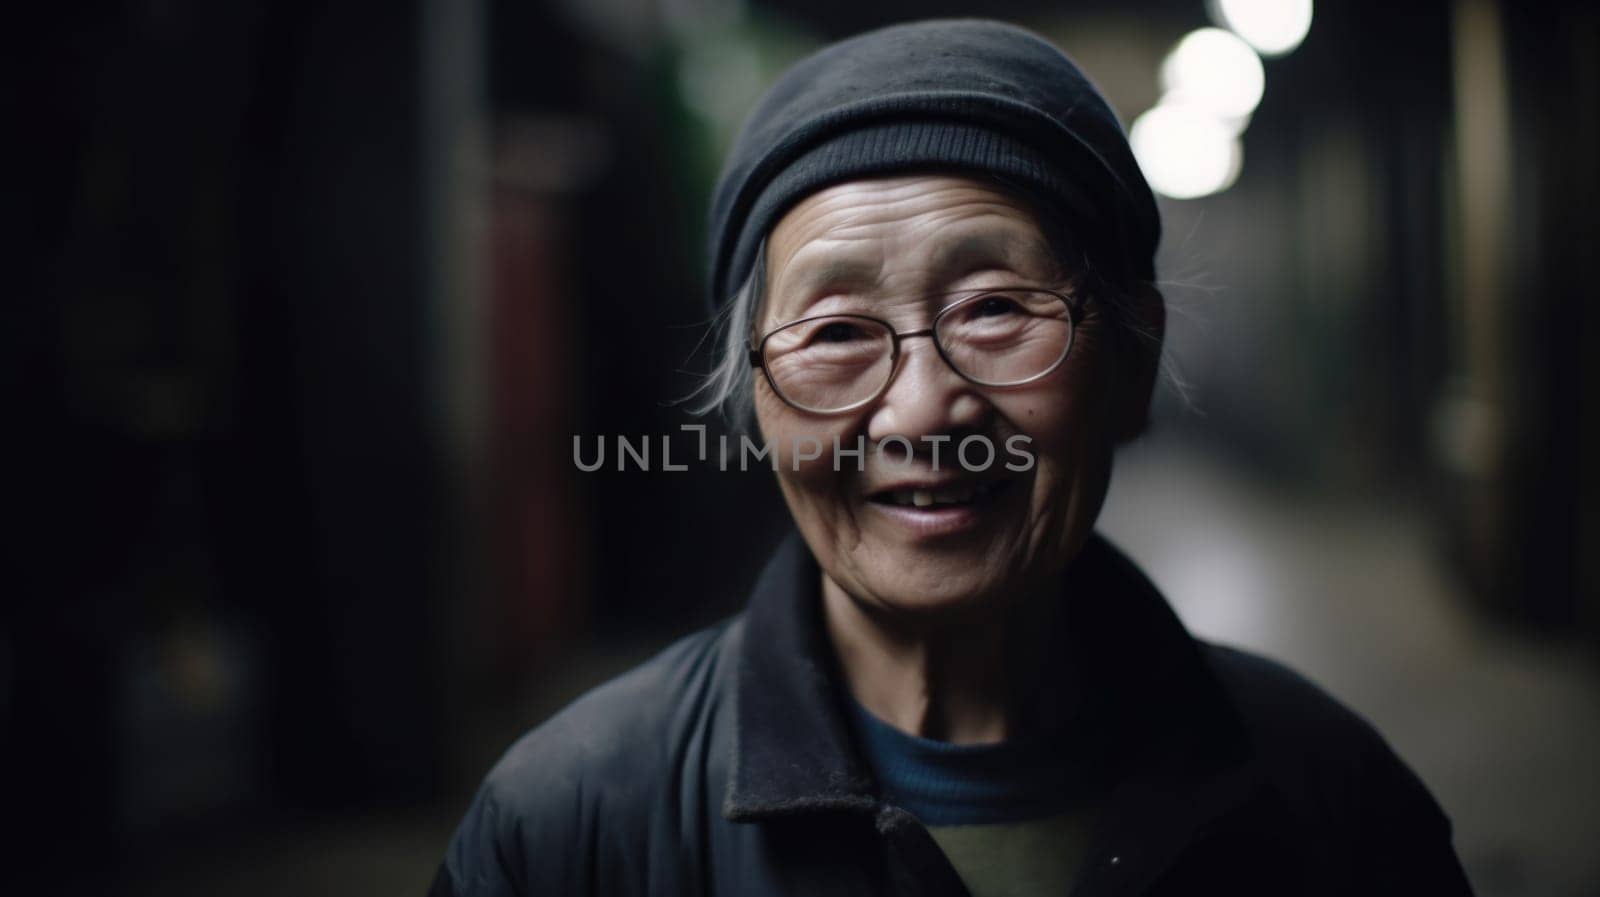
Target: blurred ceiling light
(1184, 152)
(1215, 70)
(1233, 124)
(1273, 27)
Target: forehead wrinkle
(888, 238)
(832, 271)
(961, 240)
(818, 268)
(956, 252)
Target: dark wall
(230, 486)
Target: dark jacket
(726, 766)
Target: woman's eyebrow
(1010, 248)
(832, 274)
(958, 255)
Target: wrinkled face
(896, 249)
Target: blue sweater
(977, 784)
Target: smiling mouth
(956, 495)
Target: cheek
(1066, 420)
(1055, 420)
(803, 452)
(1086, 391)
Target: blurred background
(314, 299)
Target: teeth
(955, 495)
(949, 495)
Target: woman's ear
(1140, 360)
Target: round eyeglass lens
(1007, 337)
(829, 363)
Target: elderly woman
(932, 242)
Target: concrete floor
(1505, 728)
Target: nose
(926, 397)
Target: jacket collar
(792, 749)
(1176, 732)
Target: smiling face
(896, 249)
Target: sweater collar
(794, 752)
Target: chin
(932, 588)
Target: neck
(964, 681)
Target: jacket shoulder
(1278, 703)
(1338, 774)
(622, 726)
(1303, 733)
(591, 780)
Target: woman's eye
(994, 306)
(836, 332)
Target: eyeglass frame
(1070, 300)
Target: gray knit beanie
(959, 95)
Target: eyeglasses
(830, 364)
